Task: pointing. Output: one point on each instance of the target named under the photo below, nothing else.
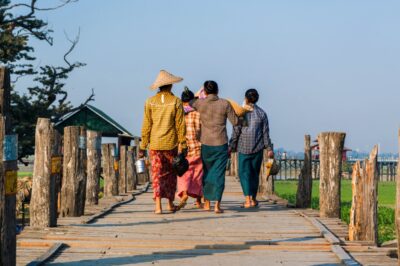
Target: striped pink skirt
(192, 180)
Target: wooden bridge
(69, 225)
(130, 233)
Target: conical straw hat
(164, 78)
(239, 110)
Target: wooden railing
(290, 169)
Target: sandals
(219, 211)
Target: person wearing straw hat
(214, 113)
(163, 133)
(250, 141)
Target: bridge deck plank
(132, 234)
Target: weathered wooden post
(43, 207)
(363, 214)
(234, 164)
(266, 186)
(398, 203)
(131, 179)
(110, 177)
(93, 167)
(122, 181)
(4, 259)
(73, 191)
(304, 188)
(8, 179)
(330, 149)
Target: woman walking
(214, 149)
(250, 141)
(163, 132)
(190, 184)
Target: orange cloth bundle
(239, 110)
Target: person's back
(214, 112)
(162, 110)
(192, 120)
(255, 136)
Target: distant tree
(48, 98)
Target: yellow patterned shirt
(163, 123)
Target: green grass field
(23, 174)
(386, 201)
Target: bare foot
(246, 205)
(199, 205)
(254, 203)
(206, 206)
(218, 210)
(173, 208)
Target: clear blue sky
(318, 65)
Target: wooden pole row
(304, 189)
(363, 215)
(79, 165)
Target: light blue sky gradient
(318, 65)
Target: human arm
(232, 117)
(146, 127)
(233, 143)
(267, 140)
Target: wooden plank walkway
(132, 235)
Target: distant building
(315, 151)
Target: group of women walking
(195, 125)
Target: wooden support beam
(109, 173)
(363, 214)
(93, 167)
(304, 188)
(266, 185)
(330, 148)
(8, 173)
(122, 181)
(43, 207)
(3, 248)
(73, 191)
(234, 167)
(131, 178)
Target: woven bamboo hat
(164, 78)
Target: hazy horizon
(318, 65)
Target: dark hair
(166, 87)
(211, 87)
(187, 95)
(252, 95)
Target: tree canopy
(47, 97)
